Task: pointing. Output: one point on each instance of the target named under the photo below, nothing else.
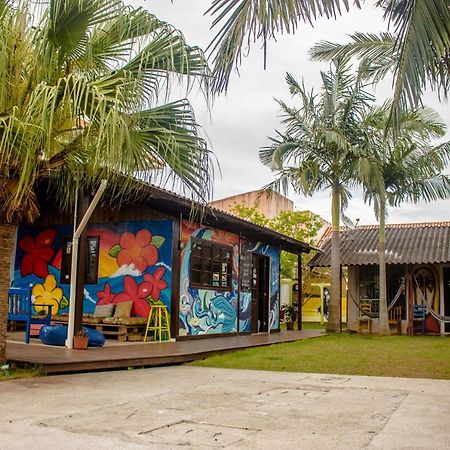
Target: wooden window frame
(207, 265)
(66, 262)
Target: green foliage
(83, 96)
(300, 225)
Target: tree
(81, 83)
(420, 45)
(321, 148)
(411, 170)
(300, 225)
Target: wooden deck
(59, 359)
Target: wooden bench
(131, 332)
(124, 333)
(20, 309)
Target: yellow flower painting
(47, 294)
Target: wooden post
(175, 288)
(83, 204)
(299, 292)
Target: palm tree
(321, 148)
(411, 170)
(83, 96)
(421, 39)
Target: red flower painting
(137, 293)
(106, 296)
(137, 250)
(158, 284)
(38, 253)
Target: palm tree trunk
(334, 319)
(7, 241)
(383, 321)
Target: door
(260, 293)
(447, 296)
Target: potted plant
(80, 340)
(290, 315)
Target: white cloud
(126, 270)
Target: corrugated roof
(406, 243)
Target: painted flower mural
(38, 253)
(105, 296)
(141, 250)
(47, 294)
(133, 263)
(158, 284)
(137, 293)
(141, 294)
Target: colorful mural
(207, 311)
(134, 264)
(274, 287)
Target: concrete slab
(194, 407)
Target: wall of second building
(134, 264)
(271, 206)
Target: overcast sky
(240, 122)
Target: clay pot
(80, 343)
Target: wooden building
(215, 273)
(418, 272)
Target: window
(91, 275)
(210, 265)
(369, 282)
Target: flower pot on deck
(80, 342)
(290, 326)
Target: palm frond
(242, 23)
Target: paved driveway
(193, 407)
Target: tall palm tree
(321, 148)
(83, 96)
(411, 170)
(421, 38)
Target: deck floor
(60, 359)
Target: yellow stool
(155, 322)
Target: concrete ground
(194, 407)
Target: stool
(158, 322)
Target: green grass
(15, 374)
(393, 356)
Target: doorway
(260, 293)
(446, 278)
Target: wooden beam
(176, 268)
(83, 204)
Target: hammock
(364, 311)
(438, 317)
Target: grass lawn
(14, 374)
(350, 354)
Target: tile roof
(406, 243)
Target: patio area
(118, 355)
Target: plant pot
(80, 343)
(290, 325)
